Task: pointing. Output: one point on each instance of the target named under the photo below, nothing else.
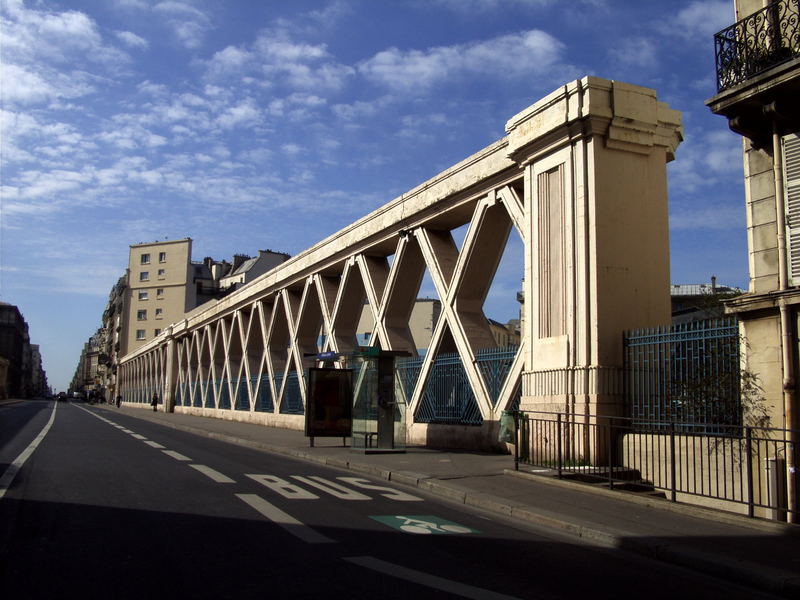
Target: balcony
(758, 42)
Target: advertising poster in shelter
(330, 403)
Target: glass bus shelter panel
(378, 420)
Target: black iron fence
(750, 466)
(758, 42)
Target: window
(160, 293)
(161, 273)
(159, 313)
(144, 276)
(791, 181)
(145, 259)
(162, 257)
(140, 334)
(141, 315)
(156, 331)
(142, 294)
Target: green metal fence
(687, 373)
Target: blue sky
(248, 125)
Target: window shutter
(791, 180)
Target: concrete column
(597, 252)
(170, 373)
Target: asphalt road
(113, 506)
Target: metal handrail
(760, 41)
(740, 465)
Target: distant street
(116, 507)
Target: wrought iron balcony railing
(758, 42)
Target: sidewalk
(761, 554)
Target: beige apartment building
(760, 99)
(159, 287)
(758, 83)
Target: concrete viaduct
(580, 176)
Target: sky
(266, 124)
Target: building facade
(160, 286)
(24, 373)
(758, 82)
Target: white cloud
(470, 6)
(132, 40)
(275, 58)
(706, 159)
(729, 216)
(635, 52)
(292, 149)
(514, 55)
(230, 60)
(188, 23)
(245, 112)
(701, 20)
(56, 37)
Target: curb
(701, 512)
(756, 576)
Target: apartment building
(758, 82)
(24, 375)
(160, 288)
(160, 285)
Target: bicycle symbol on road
(423, 524)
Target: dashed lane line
(11, 471)
(287, 521)
(177, 455)
(426, 579)
(213, 474)
(138, 436)
(154, 444)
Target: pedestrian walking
(119, 400)
(154, 402)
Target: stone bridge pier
(580, 178)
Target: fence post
(748, 446)
(609, 437)
(558, 445)
(672, 474)
(517, 436)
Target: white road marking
(11, 471)
(393, 494)
(213, 474)
(153, 444)
(283, 487)
(329, 487)
(426, 579)
(126, 430)
(176, 455)
(288, 522)
(138, 437)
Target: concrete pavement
(762, 554)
